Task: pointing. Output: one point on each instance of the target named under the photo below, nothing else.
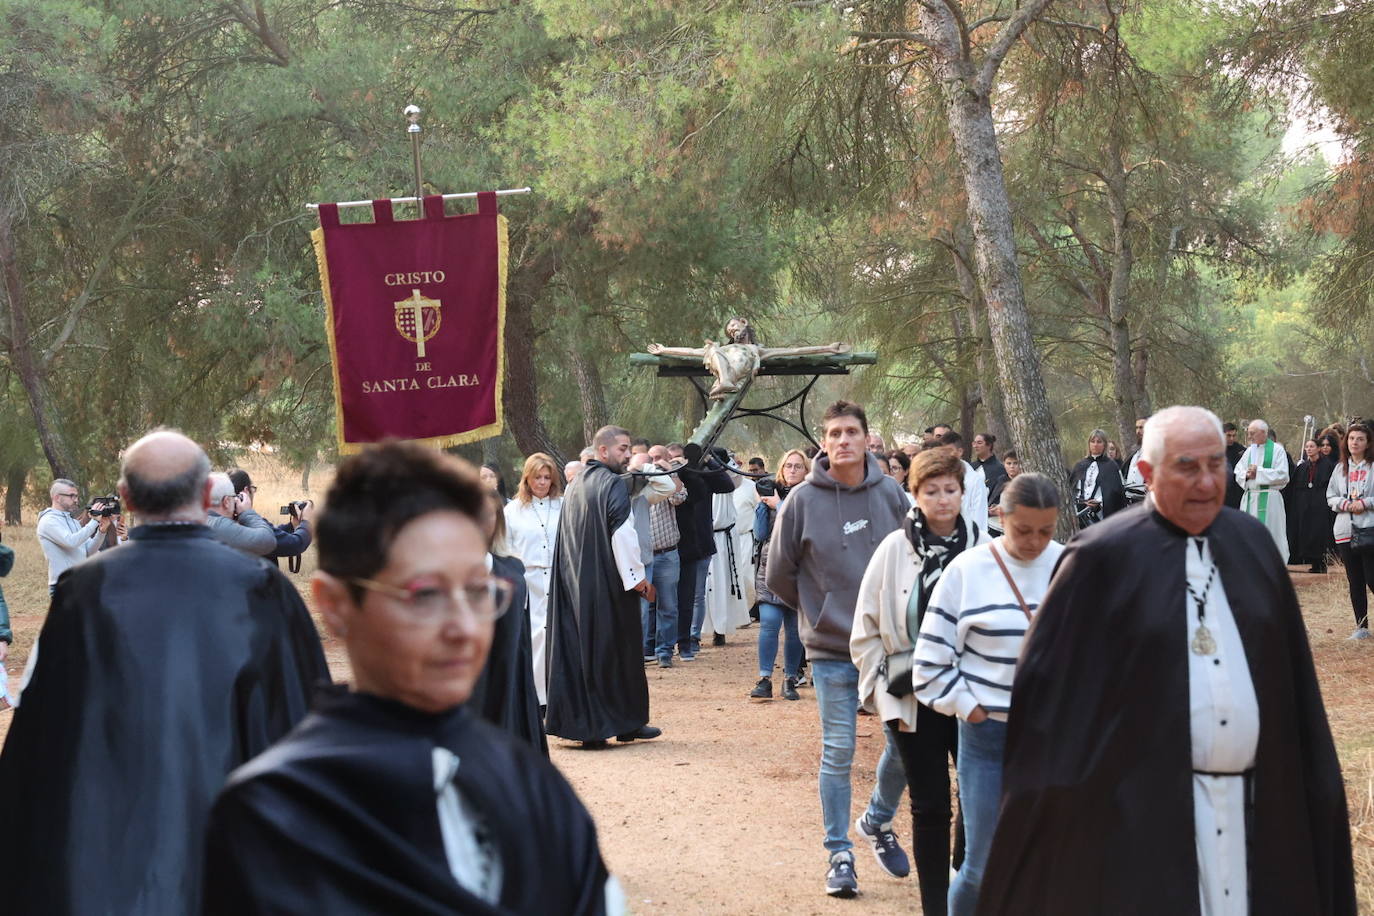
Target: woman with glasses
(394, 797)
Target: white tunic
(746, 500)
(1263, 498)
(530, 533)
(1225, 733)
(974, 507)
(724, 611)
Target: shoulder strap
(1010, 581)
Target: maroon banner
(415, 311)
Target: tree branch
(1014, 28)
(914, 37)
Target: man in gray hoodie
(825, 533)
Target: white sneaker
(1360, 633)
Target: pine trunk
(590, 391)
(26, 362)
(1032, 423)
(521, 398)
(1119, 308)
(14, 494)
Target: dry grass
(1346, 669)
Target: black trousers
(1359, 573)
(926, 755)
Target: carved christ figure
(740, 357)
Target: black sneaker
(789, 689)
(886, 850)
(643, 733)
(666, 662)
(763, 690)
(718, 639)
(840, 880)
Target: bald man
(1167, 747)
(165, 664)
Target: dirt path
(722, 813)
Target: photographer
(67, 541)
(116, 533)
(232, 519)
(294, 535)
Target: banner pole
(412, 113)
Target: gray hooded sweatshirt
(823, 538)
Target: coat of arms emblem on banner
(418, 319)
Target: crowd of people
(1100, 702)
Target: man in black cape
(1134, 673)
(164, 664)
(597, 687)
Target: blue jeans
(774, 617)
(980, 795)
(646, 611)
(837, 698)
(703, 570)
(660, 618)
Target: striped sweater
(973, 629)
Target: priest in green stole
(1262, 473)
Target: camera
(293, 509)
(104, 506)
(765, 486)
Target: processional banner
(415, 311)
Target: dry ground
(721, 814)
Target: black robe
(1097, 803)
(1111, 492)
(597, 687)
(994, 475)
(1312, 537)
(162, 665)
(340, 818)
(504, 694)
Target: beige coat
(880, 624)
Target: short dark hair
(166, 495)
(845, 409)
(989, 438)
(951, 438)
(607, 435)
(639, 441)
(934, 463)
(900, 457)
(1229, 428)
(756, 460)
(1011, 456)
(240, 479)
(378, 492)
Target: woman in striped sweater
(966, 656)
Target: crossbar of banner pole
(410, 200)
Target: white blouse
(531, 530)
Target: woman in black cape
(1313, 518)
(1096, 484)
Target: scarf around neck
(933, 553)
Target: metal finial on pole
(412, 113)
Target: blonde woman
(773, 614)
(531, 526)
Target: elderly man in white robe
(725, 608)
(1262, 473)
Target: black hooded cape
(162, 665)
(504, 694)
(597, 687)
(1111, 489)
(1097, 803)
(1311, 539)
(340, 818)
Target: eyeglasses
(428, 602)
(67, 495)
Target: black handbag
(1362, 540)
(898, 667)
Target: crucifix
(737, 362)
